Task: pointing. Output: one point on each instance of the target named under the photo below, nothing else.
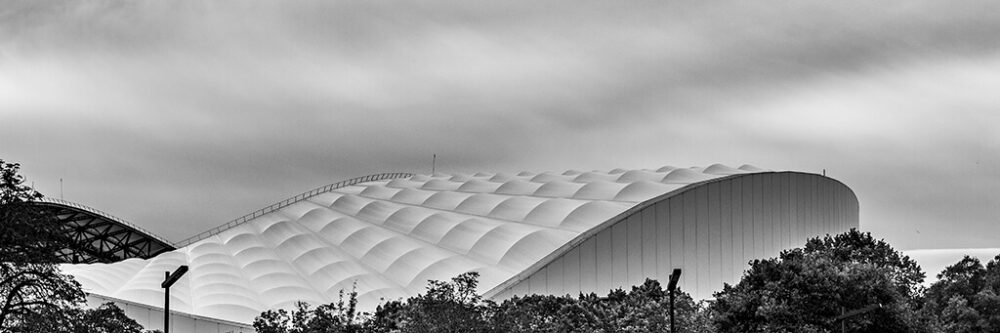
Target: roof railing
(287, 202)
(106, 215)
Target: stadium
(388, 234)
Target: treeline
(454, 306)
(849, 281)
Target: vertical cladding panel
(767, 201)
(758, 215)
(522, 288)
(835, 203)
(554, 279)
(141, 315)
(803, 202)
(648, 243)
(202, 326)
(820, 214)
(676, 221)
(831, 205)
(605, 266)
(619, 255)
(793, 216)
(571, 272)
(827, 205)
(726, 213)
(786, 234)
(633, 249)
(820, 207)
(588, 265)
(158, 322)
(812, 217)
(538, 280)
(181, 324)
(739, 259)
(690, 239)
(663, 263)
(809, 216)
(714, 236)
(749, 248)
(704, 249)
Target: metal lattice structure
(97, 237)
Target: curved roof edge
(101, 237)
(523, 275)
(285, 203)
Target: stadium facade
(525, 233)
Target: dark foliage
(108, 318)
(446, 307)
(966, 298)
(33, 292)
(454, 306)
(328, 318)
(806, 289)
(645, 308)
(27, 234)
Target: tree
(446, 307)
(107, 318)
(804, 289)
(327, 318)
(33, 292)
(27, 234)
(856, 247)
(965, 297)
(454, 306)
(646, 308)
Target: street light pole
(169, 280)
(671, 286)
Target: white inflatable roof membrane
(387, 238)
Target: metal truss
(98, 237)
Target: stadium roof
(387, 237)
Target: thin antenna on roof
(61, 190)
(434, 164)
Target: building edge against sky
(593, 231)
(711, 231)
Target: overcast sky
(181, 115)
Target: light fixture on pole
(169, 280)
(671, 286)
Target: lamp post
(169, 280)
(671, 286)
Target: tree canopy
(805, 289)
(27, 234)
(966, 297)
(32, 289)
